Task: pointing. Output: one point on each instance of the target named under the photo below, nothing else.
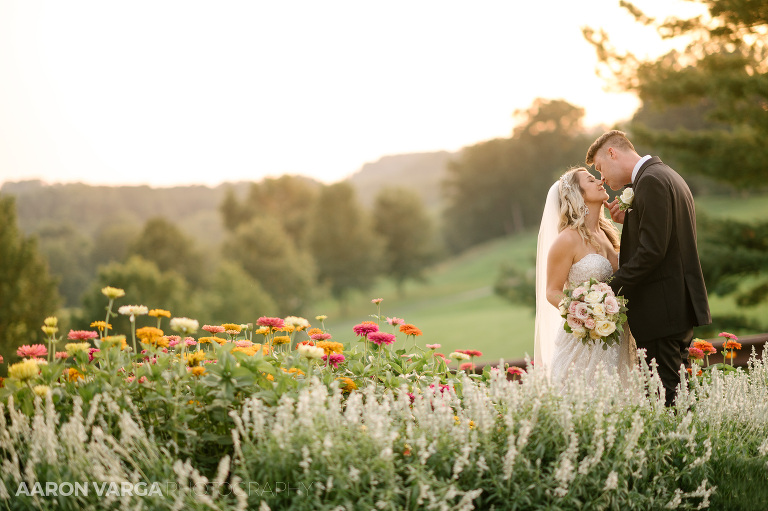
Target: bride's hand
(616, 214)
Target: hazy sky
(177, 92)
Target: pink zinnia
(728, 336)
(214, 329)
(381, 338)
(190, 341)
(467, 366)
(395, 321)
(334, 359)
(91, 351)
(515, 371)
(696, 353)
(81, 335)
(243, 344)
(61, 354)
(471, 353)
(377, 300)
(33, 351)
(365, 328)
(271, 322)
(433, 346)
(320, 337)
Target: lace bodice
(591, 266)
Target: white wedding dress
(571, 356)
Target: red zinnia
(381, 338)
(365, 328)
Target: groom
(659, 269)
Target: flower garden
(282, 414)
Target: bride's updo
(573, 210)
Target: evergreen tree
(408, 234)
(27, 293)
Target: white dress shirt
(638, 165)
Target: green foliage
(234, 295)
(165, 245)
(516, 285)
(68, 253)
(342, 242)
(288, 199)
(27, 292)
(408, 233)
(143, 281)
(496, 188)
(266, 253)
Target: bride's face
(594, 192)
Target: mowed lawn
(457, 308)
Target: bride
(576, 243)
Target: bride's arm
(559, 263)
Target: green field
(456, 307)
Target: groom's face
(608, 168)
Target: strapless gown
(573, 357)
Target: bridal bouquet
(593, 313)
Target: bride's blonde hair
(573, 210)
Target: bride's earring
(585, 210)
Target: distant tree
(408, 234)
(497, 188)
(112, 242)
(165, 245)
(722, 76)
(288, 199)
(342, 242)
(144, 284)
(27, 293)
(264, 250)
(235, 297)
(516, 285)
(68, 252)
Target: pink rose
(582, 311)
(589, 323)
(611, 304)
(572, 308)
(573, 322)
(604, 288)
(579, 292)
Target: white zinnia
(311, 351)
(459, 356)
(133, 310)
(184, 325)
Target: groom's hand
(616, 214)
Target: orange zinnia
(409, 329)
(732, 345)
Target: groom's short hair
(613, 138)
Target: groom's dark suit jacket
(659, 269)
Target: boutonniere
(625, 199)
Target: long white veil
(547, 316)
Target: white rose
(605, 328)
(598, 310)
(627, 195)
(593, 297)
(579, 332)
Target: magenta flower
(395, 321)
(276, 323)
(320, 337)
(696, 353)
(91, 351)
(190, 341)
(214, 329)
(728, 336)
(33, 351)
(365, 328)
(381, 338)
(81, 335)
(334, 359)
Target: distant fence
(757, 341)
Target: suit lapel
(652, 161)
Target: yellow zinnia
(347, 384)
(41, 390)
(281, 339)
(330, 346)
(232, 326)
(24, 370)
(194, 358)
(156, 313)
(112, 292)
